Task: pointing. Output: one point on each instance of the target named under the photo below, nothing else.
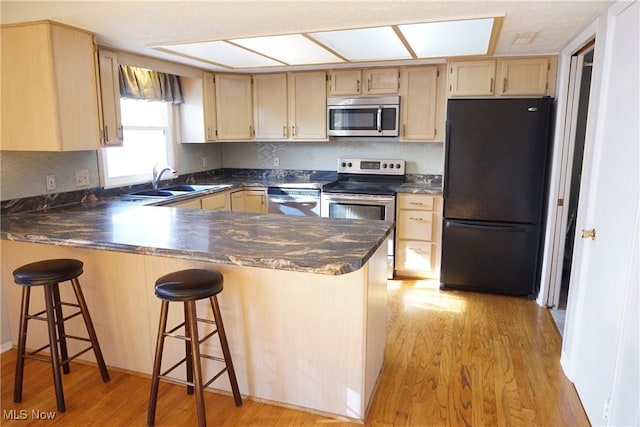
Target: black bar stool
(48, 274)
(189, 286)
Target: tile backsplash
(22, 173)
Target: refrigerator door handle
(445, 191)
(513, 228)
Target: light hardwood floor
(452, 358)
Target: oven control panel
(372, 166)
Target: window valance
(141, 83)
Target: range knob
(384, 166)
(391, 165)
(398, 166)
(343, 164)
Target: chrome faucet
(158, 175)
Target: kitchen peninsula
(304, 302)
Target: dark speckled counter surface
(305, 244)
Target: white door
(602, 268)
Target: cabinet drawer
(416, 225)
(416, 255)
(417, 202)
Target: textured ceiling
(134, 26)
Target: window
(147, 141)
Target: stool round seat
(189, 285)
(47, 271)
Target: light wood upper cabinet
(345, 82)
(49, 88)
(374, 81)
(233, 106)
(308, 105)
(472, 78)
(421, 104)
(111, 120)
(381, 81)
(270, 106)
(198, 112)
(527, 76)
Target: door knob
(589, 234)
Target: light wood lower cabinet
(214, 202)
(249, 200)
(418, 235)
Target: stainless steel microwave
(363, 116)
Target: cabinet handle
(284, 130)
(293, 131)
(504, 85)
(491, 85)
(368, 85)
(358, 90)
(413, 218)
(121, 137)
(105, 135)
(404, 130)
(251, 131)
(416, 203)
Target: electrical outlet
(51, 182)
(82, 178)
(205, 162)
(276, 161)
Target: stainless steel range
(365, 189)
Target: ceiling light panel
(292, 49)
(221, 52)
(365, 44)
(451, 38)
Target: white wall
(600, 347)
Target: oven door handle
(379, 116)
(281, 201)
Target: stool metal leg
(157, 362)
(53, 342)
(195, 354)
(225, 351)
(22, 342)
(90, 329)
(59, 321)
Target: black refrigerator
(496, 155)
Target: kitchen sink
(174, 191)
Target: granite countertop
(306, 244)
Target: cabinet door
(237, 201)
(197, 112)
(524, 76)
(209, 106)
(255, 201)
(308, 105)
(110, 98)
(191, 204)
(216, 202)
(472, 78)
(419, 103)
(381, 81)
(49, 90)
(233, 106)
(270, 106)
(345, 82)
